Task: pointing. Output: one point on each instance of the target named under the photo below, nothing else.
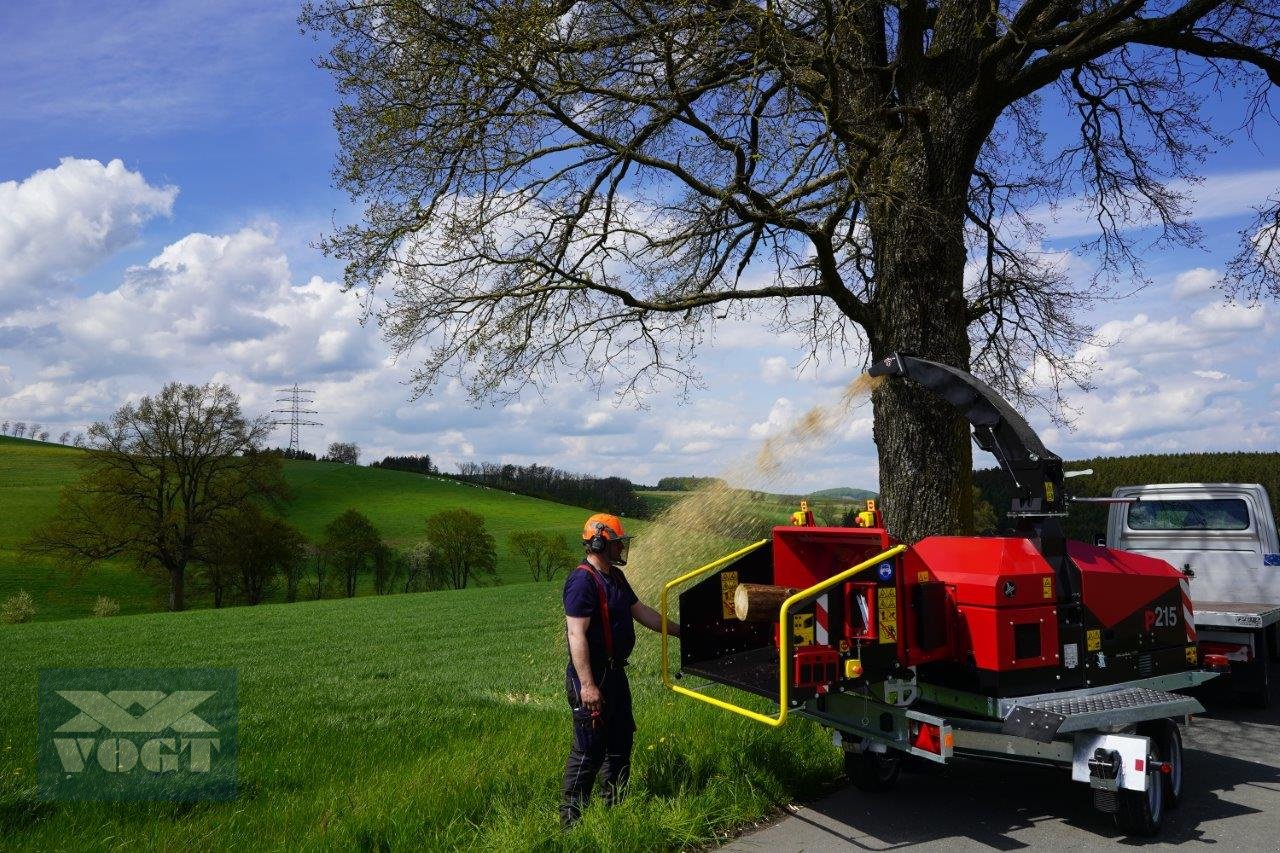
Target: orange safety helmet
(601, 529)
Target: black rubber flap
(1033, 723)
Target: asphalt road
(1231, 799)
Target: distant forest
(1109, 472)
(604, 494)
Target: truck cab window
(1198, 514)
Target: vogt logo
(151, 734)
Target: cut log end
(760, 602)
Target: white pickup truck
(1223, 536)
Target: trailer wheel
(1142, 812)
(1168, 739)
(873, 772)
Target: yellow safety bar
(784, 634)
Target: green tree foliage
(465, 549)
(687, 484)
(984, 514)
(614, 495)
(352, 545)
(161, 478)
(1085, 521)
(254, 551)
(547, 554)
(418, 464)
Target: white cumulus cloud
(60, 222)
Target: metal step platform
(1043, 717)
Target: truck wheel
(1142, 812)
(1168, 739)
(873, 772)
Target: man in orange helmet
(599, 606)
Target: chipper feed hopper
(1023, 647)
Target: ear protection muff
(598, 543)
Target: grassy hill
(847, 493)
(427, 721)
(32, 473)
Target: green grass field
(398, 502)
(425, 721)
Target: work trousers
(601, 744)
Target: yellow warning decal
(802, 629)
(887, 608)
(728, 588)
(1093, 639)
(922, 577)
(1192, 654)
(1048, 587)
(1048, 491)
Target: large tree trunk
(177, 589)
(919, 307)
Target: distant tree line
(37, 432)
(616, 495)
(419, 464)
(1085, 520)
(687, 484)
(286, 453)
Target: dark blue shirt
(582, 598)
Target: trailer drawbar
(1028, 647)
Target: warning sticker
(1070, 655)
(1094, 639)
(887, 608)
(728, 588)
(1048, 587)
(1191, 654)
(802, 629)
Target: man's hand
(590, 696)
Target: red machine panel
(802, 556)
(1117, 584)
(989, 571)
(1010, 638)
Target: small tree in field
(19, 607)
(422, 568)
(546, 554)
(466, 550)
(316, 561)
(4, 428)
(346, 452)
(104, 607)
(254, 551)
(62, 439)
(161, 479)
(352, 544)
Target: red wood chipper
(1026, 647)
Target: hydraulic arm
(1036, 472)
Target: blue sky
(165, 168)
